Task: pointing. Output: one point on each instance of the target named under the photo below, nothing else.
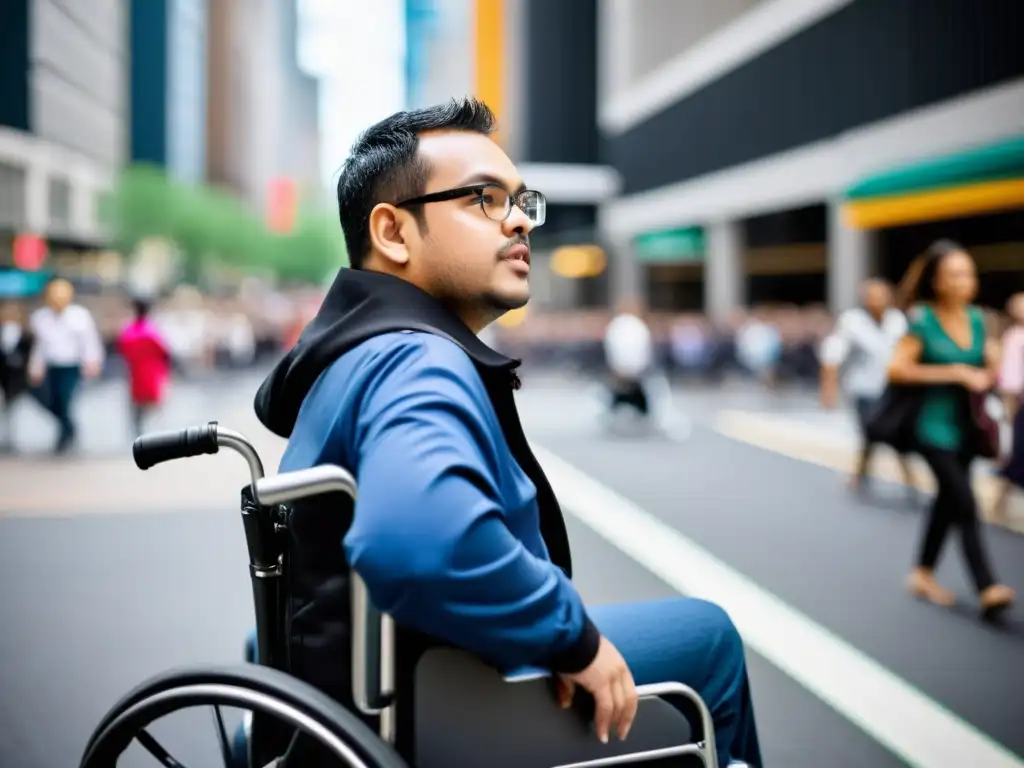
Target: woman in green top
(946, 352)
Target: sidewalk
(101, 477)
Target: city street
(112, 574)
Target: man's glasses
(495, 201)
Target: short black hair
(141, 307)
(383, 166)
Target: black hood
(359, 306)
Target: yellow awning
(935, 204)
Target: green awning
(994, 162)
(672, 246)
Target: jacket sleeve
(429, 536)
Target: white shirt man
(629, 347)
(629, 352)
(863, 347)
(855, 357)
(66, 347)
(65, 339)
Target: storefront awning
(987, 179)
(20, 284)
(672, 246)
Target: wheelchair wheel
(306, 713)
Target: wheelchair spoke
(283, 760)
(152, 746)
(222, 733)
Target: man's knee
(724, 641)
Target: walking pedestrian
(66, 348)
(148, 360)
(947, 355)
(1011, 386)
(855, 358)
(15, 347)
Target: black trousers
(632, 394)
(954, 505)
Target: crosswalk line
(916, 728)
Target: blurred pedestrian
(947, 355)
(15, 347)
(855, 359)
(636, 381)
(66, 348)
(1011, 386)
(148, 359)
(759, 348)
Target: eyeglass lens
(497, 204)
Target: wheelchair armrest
(525, 674)
(652, 691)
(466, 713)
(373, 652)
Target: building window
(12, 196)
(60, 203)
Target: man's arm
(429, 536)
(833, 351)
(92, 345)
(36, 363)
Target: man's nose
(517, 222)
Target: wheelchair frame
(375, 638)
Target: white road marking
(919, 730)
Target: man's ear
(388, 227)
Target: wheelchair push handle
(158, 447)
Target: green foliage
(211, 228)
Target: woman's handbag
(894, 420)
(991, 430)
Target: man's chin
(506, 301)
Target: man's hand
(36, 374)
(828, 392)
(975, 379)
(610, 682)
(90, 369)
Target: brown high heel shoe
(922, 584)
(995, 600)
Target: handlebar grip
(158, 447)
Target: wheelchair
(451, 711)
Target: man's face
(463, 255)
(59, 295)
(877, 296)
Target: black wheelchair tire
(170, 691)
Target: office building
(752, 151)
(773, 151)
(168, 86)
(63, 117)
(262, 109)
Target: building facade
(262, 121)
(168, 86)
(765, 118)
(63, 116)
(718, 153)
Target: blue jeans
(55, 395)
(694, 642)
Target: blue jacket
(454, 523)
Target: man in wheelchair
(458, 534)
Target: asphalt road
(111, 575)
